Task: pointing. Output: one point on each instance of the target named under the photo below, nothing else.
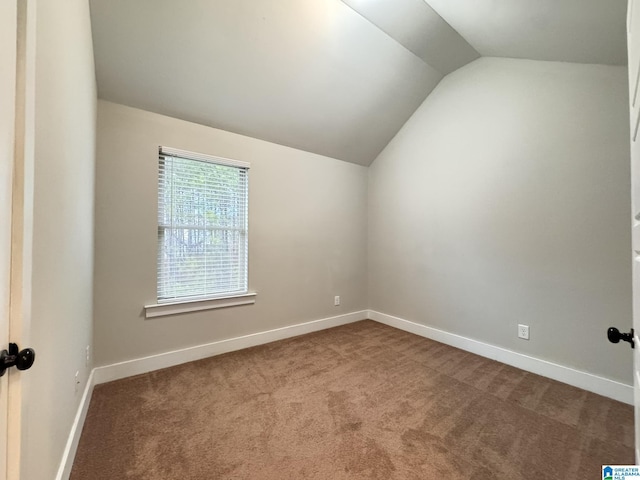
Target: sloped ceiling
(417, 27)
(337, 78)
(580, 31)
(310, 74)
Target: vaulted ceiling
(333, 77)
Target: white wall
(505, 200)
(64, 152)
(307, 235)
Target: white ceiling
(337, 78)
(417, 27)
(580, 31)
(309, 74)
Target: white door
(633, 42)
(8, 38)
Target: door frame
(8, 59)
(20, 232)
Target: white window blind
(202, 226)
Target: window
(202, 226)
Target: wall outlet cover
(523, 332)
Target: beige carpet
(362, 401)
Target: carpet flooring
(361, 401)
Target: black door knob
(25, 359)
(614, 336)
(22, 360)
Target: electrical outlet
(523, 332)
(77, 381)
(88, 357)
(336, 300)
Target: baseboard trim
(587, 381)
(69, 454)
(137, 366)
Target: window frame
(197, 302)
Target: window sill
(173, 308)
